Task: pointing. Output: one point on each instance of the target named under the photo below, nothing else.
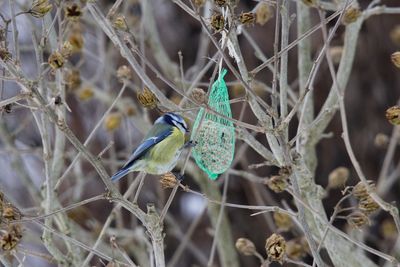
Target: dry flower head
(217, 22)
(335, 53)
(275, 246)
(277, 183)
(119, 22)
(73, 79)
(282, 221)
(396, 59)
(199, 96)
(124, 73)
(368, 205)
(351, 14)
(381, 140)
(85, 93)
(247, 18)
(310, 3)
(360, 190)
(393, 115)
(245, 246)
(263, 13)
(388, 229)
(147, 98)
(295, 250)
(10, 237)
(76, 40)
(220, 2)
(395, 35)
(338, 177)
(112, 121)
(168, 180)
(357, 219)
(56, 60)
(40, 8)
(73, 12)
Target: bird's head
(174, 120)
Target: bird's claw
(190, 143)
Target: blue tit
(159, 151)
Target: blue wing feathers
(121, 173)
(148, 143)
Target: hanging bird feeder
(214, 132)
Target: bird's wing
(147, 143)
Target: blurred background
(91, 79)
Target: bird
(160, 149)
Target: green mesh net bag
(214, 134)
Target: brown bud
(282, 221)
(119, 22)
(4, 54)
(295, 250)
(338, 177)
(73, 79)
(335, 53)
(124, 73)
(275, 246)
(351, 14)
(368, 205)
(56, 60)
(147, 98)
(393, 115)
(388, 229)
(357, 219)
(217, 22)
(112, 121)
(263, 13)
(395, 35)
(220, 2)
(396, 59)
(10, 237)
(360, 191)
(85, 93)
(199, 96)
(76, 40)
(73, 12)
(168, 180)
(277, 183)
(245, 246)
(381, 140)
(40, 8)
(247, 18)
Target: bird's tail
(121, 173)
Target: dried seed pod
(388, 229)
(360, 191)
(199, 96)
(76, 40)
(247, 18)
(72, 79)
(85, 93)
(199, 3)
(263, 13)
(119, 22)
(395, 35)
(217, 22)
(73, 12)
(381, 140)
(338, 177)
(168, 180)
(368, 205)
(10, 237)
(310, 3)
(282, 221)
(4, 54)
(245, 246)
(393, 115)
(10, 213)
(295, 250)
(351, 14)
(220, 2)
(112, 121)
(124, 73)
(56, 60)
(40, 8)
(66, 49)
(277, 183)
(357, 219)
(147, 98)
(275, 246)
(396, 59)
(285, 171)
(335, 53)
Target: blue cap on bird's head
(174, 120)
